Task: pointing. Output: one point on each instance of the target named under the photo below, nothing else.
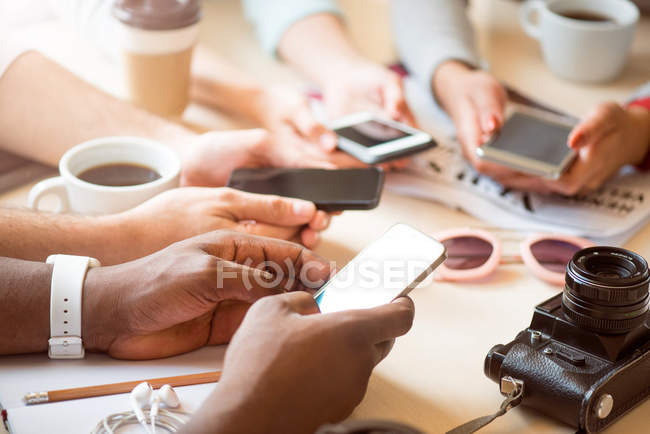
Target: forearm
(219, 84)
(24, 306)
(319, 47)
(45, 110)
(34, 236)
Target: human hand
(191, 294)
(304, 369)
(476, 102)
(184, 212)
(361, 85)
(609, 138)
(209, 159)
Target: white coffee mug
(581, 50)
(85, 198)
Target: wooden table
(433, 379)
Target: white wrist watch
(68, 278)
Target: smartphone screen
(371, 133)
(533, 138)
(330, 190)
(390, 266)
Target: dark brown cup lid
(157, 14)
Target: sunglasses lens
(465, 253)
(554, 255)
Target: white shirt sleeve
(429, 32)
(271, 18)
(15, 16)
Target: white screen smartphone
(389, 267)
(374, 140)
(531, 141)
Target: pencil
(115, 388)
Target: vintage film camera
(585, 359)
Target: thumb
(276, 210)
(309, 128)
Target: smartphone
(374, 140)
(330, 190)
(389, 267)
(531, 141)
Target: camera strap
(513, 399)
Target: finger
(382, 349)
(468, 128)
(310, 238)
(241, 282)
(320, 222)
(595, 126)
(267, 230)
(385, 322)
(295, 267)
(345, 161)
(308, 127)
(396, 105)
(497, 172)
(573, 181)
(276, 210)
(490, 108)
(408, 118)
(525, 183)
(300, 302)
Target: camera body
(585, 359)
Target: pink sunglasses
(475, 253)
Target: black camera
(585, 359)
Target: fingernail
(304, 209)
(328, 141)
(326, 220)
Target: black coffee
(593, 17)
(119, 174)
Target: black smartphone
(330, 190)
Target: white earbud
(167, 395)
(140, 398)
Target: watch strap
(66, 291)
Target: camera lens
(606, 290)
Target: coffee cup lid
(157, 14)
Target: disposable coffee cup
(157, 38)
(79, 196)
(590, 50)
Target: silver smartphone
(374, 140)
(531, 141)
(389, 267)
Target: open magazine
(610, 215)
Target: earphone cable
(170, 420)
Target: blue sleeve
(271, 18)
